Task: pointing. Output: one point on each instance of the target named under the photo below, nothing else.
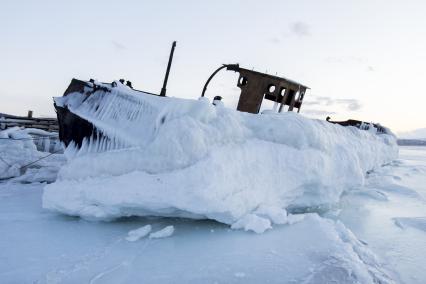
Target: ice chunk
(295, 218)
(137, 234)
(276, 214)
(252, 222)
(163, 233)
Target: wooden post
(30, 114)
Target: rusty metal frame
(256, 86)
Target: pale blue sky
(362, 59)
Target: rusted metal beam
(256, 86)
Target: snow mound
(188, 158)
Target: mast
(166, 77)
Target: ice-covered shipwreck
(134, 153)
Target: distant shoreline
(411, 142)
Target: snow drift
(164, 156)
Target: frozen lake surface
(376, 233)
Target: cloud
(118, 46)
(319, 112)
(274, 40)
(311, 103)
(346, 59)
(355, 60)
(348, 104)
(300, 29)
(327, 101)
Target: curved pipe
(233, 67)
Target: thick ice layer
(188, 158)
(315, 250)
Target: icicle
(127, 118)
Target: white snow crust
(414, 222)
(188, 158)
